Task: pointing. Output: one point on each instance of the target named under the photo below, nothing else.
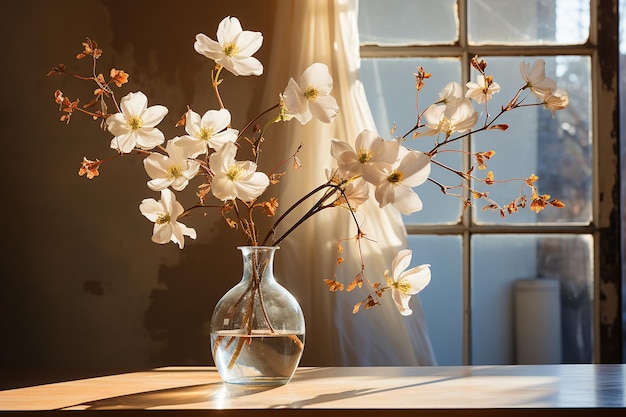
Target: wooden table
(562, 390)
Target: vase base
(259, 382)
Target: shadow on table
(321, 373)
(194, 394)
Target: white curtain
(326, 31)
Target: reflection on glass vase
(257, 328)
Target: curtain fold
(326, 31)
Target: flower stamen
(403, 286)
(231, 49)
(135, 122)
(175, 171)
(396, 177)
(163, 218)
(205, 133)
(365, 155)
(311, 93)
(233, 173)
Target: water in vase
(262, 358)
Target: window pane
(528, 22)
(442, 299)
(557, 150)
(390, 88)
(498, 262)
(402, 22)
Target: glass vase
(257, 328)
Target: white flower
(457, 115)
(483, 89)
(406, 283)
(535, 78)
(372, 155)
(164, 213)
(356, 191)
(395, 186)
(209, 131)
(135, 125)
(233, 49)
(557, 100)
(312, 96)
(174, 169)
(235, 179)
(450, 92)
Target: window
(479, 260)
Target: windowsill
(460, 390)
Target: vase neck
(258, 262)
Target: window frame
(605, 226)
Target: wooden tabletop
(364, 391)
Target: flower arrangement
(239, 191)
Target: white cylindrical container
(537, 321)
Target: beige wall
(82, 285)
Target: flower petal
(155, 165)
(159, 184)
(207, 47)
(384, 193)
(217, 120)
(180, 231)
(228, 29)
(220, 161)
(401, 262)
(418, 277)
(151, 209)
(402, 302)
(149, 138)
(339, 147)
(324, 109)
(304, 117)
(406, 201)
(451, 90)
(249, 42)
(124, 143)
(537, 71)
(162, 233)
(294, 100)
(218, 140)
(416, 167)
(153, 115)
(134, 103)
(223, 188)
(318, 76)
(251, 189)
(245, 66)
(192, 122)
(193, 147)
(117, 124)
